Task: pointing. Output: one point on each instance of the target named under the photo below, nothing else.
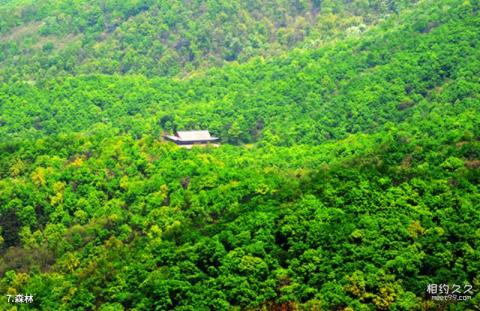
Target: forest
(41, 40)
(348, 176)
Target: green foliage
(348, 176)
(44, 39)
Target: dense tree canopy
(44, 39)
(348, 176)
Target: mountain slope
(395, 71)
(348, 178)
(42, 39)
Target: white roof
(192, 136)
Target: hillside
(43, 39)
(348, 176)
(401, 68)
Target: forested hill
(402, 68)
(42, 39)
(348, 177)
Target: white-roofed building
(188, 139)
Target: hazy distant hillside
(40, 39)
